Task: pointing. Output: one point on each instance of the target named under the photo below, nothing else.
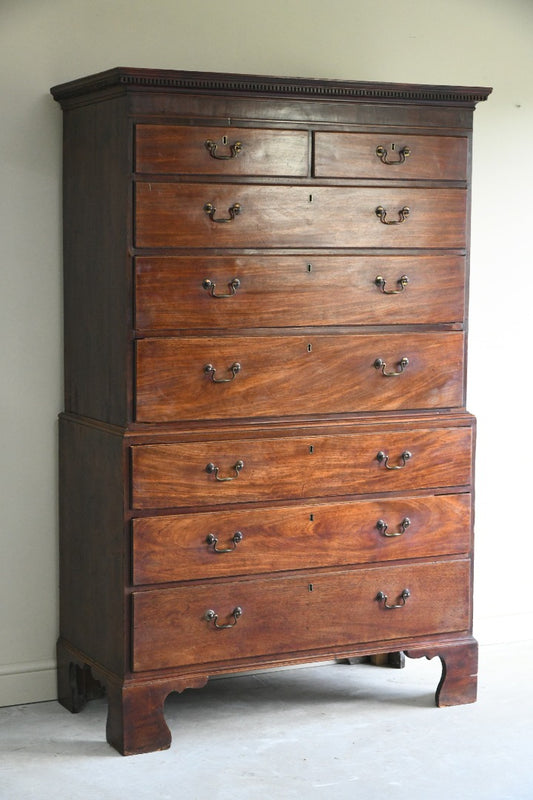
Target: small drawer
(252, 541)
(398, 156)
(212, 473)
(312, 612)
(244, 216)
(266, 376)
(221, 151)
(281, 291)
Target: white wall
(479, 42)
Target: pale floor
(330, 731)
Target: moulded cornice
(125, 78)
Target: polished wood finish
(174, 474)
(228, 219)
(172, 215)
(282, 291)
(288, 537)
(170, 628)
(261, 152)
(353, 155)
(306, 374)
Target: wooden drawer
(377, 155)
(279, 291)
(236, 151)
(288, 375)
(251, 541)
(174, 215)
(181, 474)
(282, 615)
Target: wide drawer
(397, 156)
(251, 541)
(221, 151)
(236, 215)
(312, 612)
(279, 291)
(193, 474)
(176, 378)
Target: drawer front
(285, 615)
(185, 215)
(192, 474)
(397, 156)
(221, 151)
(284, 375)
(276, 291)
(251, 541)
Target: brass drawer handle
(233, 212)
(211, 616)
(234, 150)
(382, 154)
(403, 213)
(210, 370)
(212, 540)
(211, 469)
(403, 363)
(384, 459)
(382, 527)
(233, 285)
(382, 598)
(402, 283)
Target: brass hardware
(382, 527)
(403, 213)
(382, 598)
(403, 153)
(234, 149)
(402, 364)
(384, 459)
(210, 287)
(212, 540)
(233, 211)
(212, 470)
(402, 283)
(210, 370)
(211, 616)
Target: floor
(329, 731)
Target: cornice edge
(124, 79)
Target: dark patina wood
(310, 505)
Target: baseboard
(506, 629)
(29, 682)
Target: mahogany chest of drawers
(265, 456)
